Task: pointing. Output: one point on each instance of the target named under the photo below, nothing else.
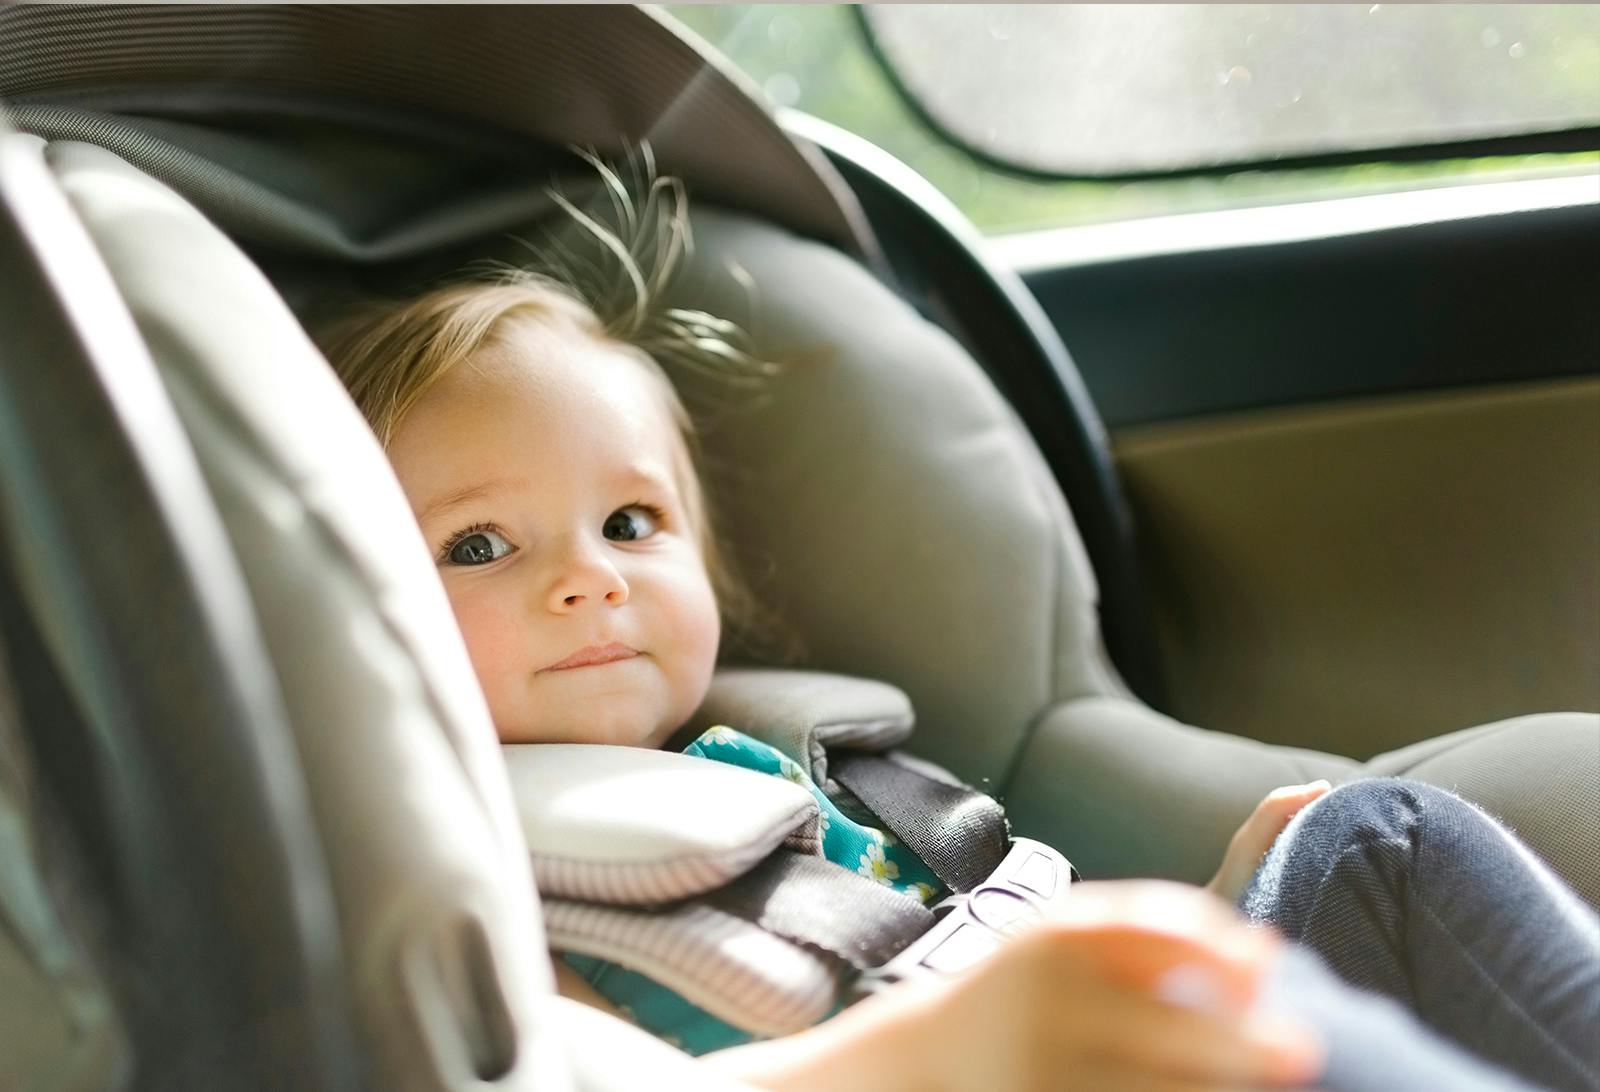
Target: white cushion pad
(629, 825)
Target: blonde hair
(390, 354)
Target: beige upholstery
(1170, 794)
(1539, 774)
(1161, 798)
(432, 879)
(907, 530)
(1439, 548)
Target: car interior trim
(1295, 222)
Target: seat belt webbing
(959, 832)
(813, 901)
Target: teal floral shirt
(873, 852)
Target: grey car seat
(378, 925)
(918, 536)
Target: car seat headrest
(170, 793)
(886, 503)
(434, 101)
(430, 871)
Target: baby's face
(548, 478)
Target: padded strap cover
(736, 971)
(803, 712)
(634, 826)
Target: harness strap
(816, 903)
(959, 832)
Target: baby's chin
(617, 728)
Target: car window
(818, 59)
(1118, 89)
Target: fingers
(1102, 1076)
(1159, 979)
(1138, 934)
(1286, 800)
(1088, 1002)
(1086, 1017)
(1098, 1076)
(1222, 972)
(1158, 905)
(1252, 841)
(1145, 1035)
(1275, 811)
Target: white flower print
(721, 734)
(882, 837)
(920, 891)
(790, 770)
(874, 866)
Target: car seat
(882, 494)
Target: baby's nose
(587, 577)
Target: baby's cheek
(493, 642)
(709, 633)
(698, 632)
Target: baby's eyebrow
(647, 475)
(456, 497)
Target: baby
(551, 467)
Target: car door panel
(1365, 470)
(1358, 575)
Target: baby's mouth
(594, 656)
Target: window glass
(816, 58)
(1097, 89)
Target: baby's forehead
(592, 390)
(558, 358)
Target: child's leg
(1373, 1043)
(1408, 891)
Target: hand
(1252, 840)
(1136, 985)
(1131, 986)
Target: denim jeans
(1471, 960)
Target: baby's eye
(476, 547)
(631, 523)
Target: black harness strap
(959, 832)
(814, 902)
